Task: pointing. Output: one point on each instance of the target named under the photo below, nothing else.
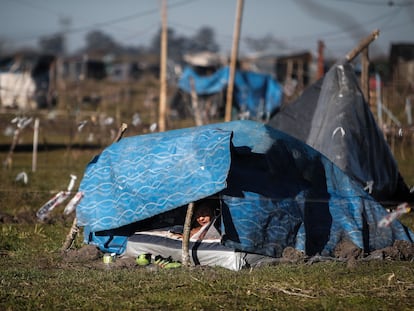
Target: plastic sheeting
(140, 177)
(254, 92)
(275, 190)
(333, 117)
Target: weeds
(34, 275)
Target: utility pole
(163, 68)
(233, 60)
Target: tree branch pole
(163, 68)
(362, 48)
(362, 45)
(233, 60)
(185, 253)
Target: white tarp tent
(17, 90)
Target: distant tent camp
(274, 192)
(333, 117)
(257, 95)
(26, 81)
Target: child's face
(203, 216)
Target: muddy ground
(345, 251)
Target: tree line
(98, 41)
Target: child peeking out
(203, 215)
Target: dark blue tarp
(253, 91)
(275, 190)
(333, 117)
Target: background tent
(275, 191)
(258, 94)
(333, 117)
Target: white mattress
(162, 242)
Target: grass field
(35, 276)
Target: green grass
(34, 276)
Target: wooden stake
(71, 236)
(233, 61)
(365, 74)
(121, 132)
(321, 59)
(35, 143)
(362, 45)
(163, 68)
(186, 235)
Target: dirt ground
(345, 251)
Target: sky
(296, 25)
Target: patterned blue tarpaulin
(251, 89)
(276, 191)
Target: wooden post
(321, 59)
(71, 236)
(35, 143)
(163, 69)
(378, 96)
(300, 74)
(365, 74)
(289, 71)
(233, 60)
(362, 45)
(186, 235)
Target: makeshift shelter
(333, 117)
(274, 192)
(257, 95)
(26, 81)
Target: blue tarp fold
(142, 176)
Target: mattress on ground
(206, 252)
(205, 248)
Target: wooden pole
(163, 68)
(362, 45)
(35, 143)
(71, 236)
(321, 59)
(233, 60)
(365, 74)
(185, 254)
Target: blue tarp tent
(254, 92)
(275, 190)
